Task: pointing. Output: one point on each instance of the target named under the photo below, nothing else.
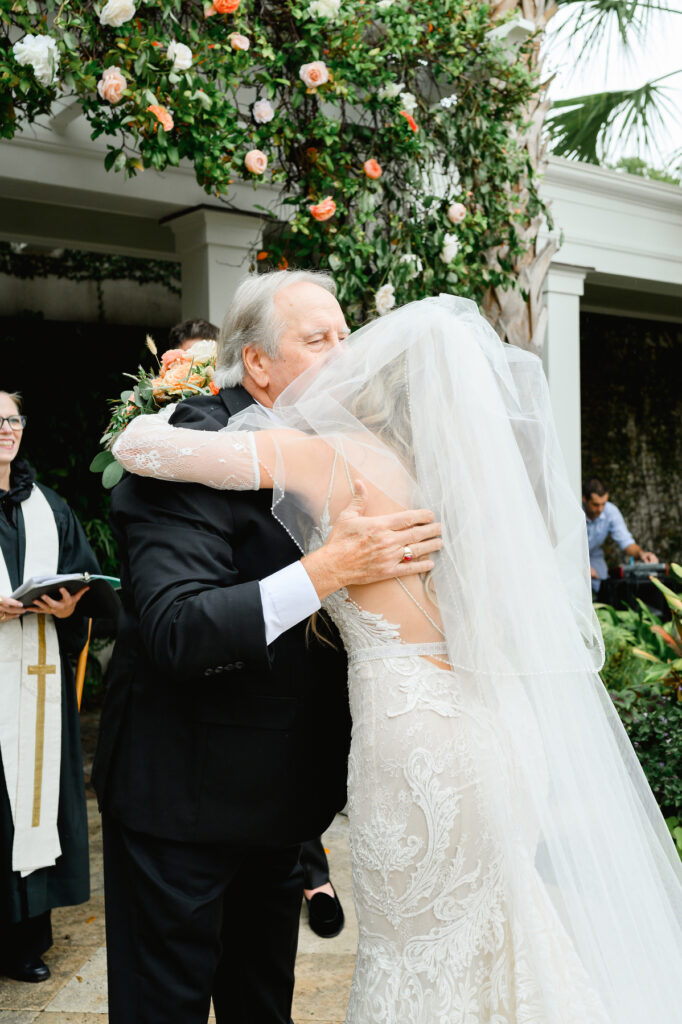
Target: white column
(561, 360)
(214, 247)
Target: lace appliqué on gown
(439, 941)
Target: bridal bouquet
(181, 374)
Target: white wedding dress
(510, 865)
(439, 940)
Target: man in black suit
(224, 734)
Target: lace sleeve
(225, 460)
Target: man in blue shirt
(604, 519)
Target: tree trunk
(519, 316)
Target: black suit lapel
(236, 399)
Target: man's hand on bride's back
(365, 549)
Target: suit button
(228, 668)
(239, 664)
(208, 672)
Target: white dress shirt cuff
(288, 597)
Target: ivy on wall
(77, 265)
(631, 389)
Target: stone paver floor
(76, 992)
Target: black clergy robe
(68, 881)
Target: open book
(101, 600)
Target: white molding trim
(602, 181)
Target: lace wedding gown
(443, 937)
(440, 939)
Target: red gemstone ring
(407, 554)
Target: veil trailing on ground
(433, 409)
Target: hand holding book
(99, 598)
(62, 608)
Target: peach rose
(324, 209)
(111, 85)
(226, 6)
(238, 41)
(174, 355)
(178, 377)
(314, 74)
(163, 116)
(255, 161)
(456, 213)
(372, 169)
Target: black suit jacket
(207, 733)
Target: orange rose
(324, 209)
(262, 255)
(410, 120)
(163, 116)
(283, 264)
(178, 373)
(226, 6)
(372, 169)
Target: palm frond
(593, 23)
(584, 127)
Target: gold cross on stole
(42, 671)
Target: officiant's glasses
(15, 422)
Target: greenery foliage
(419, 88)
(635, 165)
(77, 265)
(642, 675)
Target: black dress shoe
(31, 970)
(325, 915)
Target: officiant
(43, 819)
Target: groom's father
(225, 730)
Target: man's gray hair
(250, 320)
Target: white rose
(181, 56)
(41, 53)
(390, 91)
(385, 299)
(263, 111)
(416, 264)
(450, 248)
(116, 12)
(203, 349)
(324, 8)
(408, 101)
(384, 5)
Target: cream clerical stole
(30, 702)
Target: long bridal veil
(428, 403)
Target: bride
(510, 864)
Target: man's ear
(257, 365)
